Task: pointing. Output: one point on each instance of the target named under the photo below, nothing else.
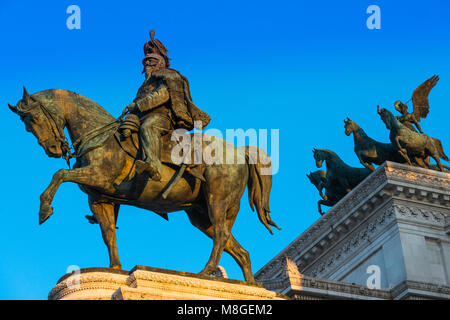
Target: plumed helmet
(154, 46)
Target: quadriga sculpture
(412, 146)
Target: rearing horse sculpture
(212, 205)
(332, 194)
(340, 177)
(411, 144)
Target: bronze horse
(211, 205)
(368, 150)
(412, 145)
(339, 176)
(332, 194)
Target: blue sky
(300, 67)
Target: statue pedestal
(392, 231)
(146, 283)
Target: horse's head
(386, 116)
(319, 156)
(316, 177)
(46, 126)
(350, 126)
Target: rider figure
(408, 119)
(163, 104)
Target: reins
(80, 142)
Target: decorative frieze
(145, 283)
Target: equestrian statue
(129, 160)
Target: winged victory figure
(421, 105)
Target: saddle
(127, 136)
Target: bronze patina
(340, 178)
(368, 150)
(115, 167)
(409, 145)
(333, 192)
(163, 103)
(421, 105)
(412, 146)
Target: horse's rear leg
(420, 162)
(233, 247)
(199, 218)
(242, 258)
(220, 232)
(436, 158)
(105, 214)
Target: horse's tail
(259, 184)
(440, 149)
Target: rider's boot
(150, 134)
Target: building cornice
(364, 209)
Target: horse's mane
(360, 130)
(394, 121)
(53, 96)
(332, 154)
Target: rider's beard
(148, 71)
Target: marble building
(389, 238)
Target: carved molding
(144, 284)
(91, 280)
(432, 216)
(354, 244)
(426, 288)
(304, 287)
(146, 279)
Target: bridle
(58, 132)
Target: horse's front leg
(320, 188)
(88, 176)
(367, 164)
(106, 215)
(403, 152)
(320, 208)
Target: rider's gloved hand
(131, 108)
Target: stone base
(147, 283)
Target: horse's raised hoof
(44, 213)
